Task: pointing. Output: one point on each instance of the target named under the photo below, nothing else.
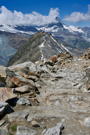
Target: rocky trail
(49, 97)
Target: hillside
(40, 46)
(46, 98)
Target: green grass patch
(13, 128)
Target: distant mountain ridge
(76, 39)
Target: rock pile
(37, 96)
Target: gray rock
(22, 130)
(23, 101)
(22, 89)
(15, 79)
(57, 130)
(75, 98)
(17, 116)
(87, 122)
(32, 67)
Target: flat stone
(22, 130)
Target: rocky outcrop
(6, 94)
(45, 46)
(86, 54)
(48, 92)
(23, 101)
(57, 130)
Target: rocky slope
(40, 46)
(47, 97)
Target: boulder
(6, 94)
(29, 65)
(54, 59)
(22, 89)
(23, 101)
(16, 80)
(27, 70)
(57, 130)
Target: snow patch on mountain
(61, 45)
(11, 29)
(49, 29)
(42, 45)
(73, 29)
(8, 28)
(41, 51)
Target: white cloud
(19, 18)
(78, 16)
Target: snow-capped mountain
(52, 28)
(58, 29)
(76, 39)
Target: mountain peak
(40, 46)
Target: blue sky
(66, 8)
